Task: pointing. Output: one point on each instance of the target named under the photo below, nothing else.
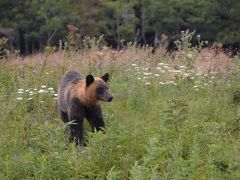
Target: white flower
(147, 74)
(27, 90)
(35, 89)
(55, 98)
(145, 77)
(192, 77)
(166, 67)
(195, 86)
(55, 95)
(157, 75)
(41, 91)
(20, 89)
(160, 64)
(181, 67)
(29, 98)
(43, 86)
(162, 83)
(162, 71)
(196, 89)
(159, 68)
(50, 89)
(19, 98)
(213, 77)
(139, 78)
(20, 92)
(134, 65)
(189, 56)
(147, 83)
(42, 101)
(52, 92)
(176, 71)
(198, 36)
(205, 84)
(30, 92)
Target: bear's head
(97, 88)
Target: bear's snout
(110, 99)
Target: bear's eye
(100, 90)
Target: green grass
(152, 131)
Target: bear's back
(66, 80)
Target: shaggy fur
(78, 99)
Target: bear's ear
(89, 80)
(105, 77)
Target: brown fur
(78, 98)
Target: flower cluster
(30, 93)
(165, 74)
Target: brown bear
(78, 99)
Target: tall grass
(165, 122)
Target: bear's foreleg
(95, 117)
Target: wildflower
(159, 68)
(147, 74)
(99, 53)
(20, 89)
(162, 83)
(19, 98)
(43, 86)
(42, 101)
(160, 64)
(196, 89)
(139, 78)
(212, 77)
(134, 65)
(189, 56)
(147, 83)
(157, 75)
(34, 71)
(198, 37)
(55, 98)
(50, 89)
(162, 71)
(205, 84)
(192, 77)
(35, 89)
(55, 95)
(47, 73)
(29, 99)
(27, 90)
(166, 67)
(145, 77)
(20, 92)
(41, 91)
(195, 86)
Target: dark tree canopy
(30, 25)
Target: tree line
(30, 25)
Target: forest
(30, 25)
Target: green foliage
(153, 131)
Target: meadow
(173, 116)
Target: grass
(186, 127)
